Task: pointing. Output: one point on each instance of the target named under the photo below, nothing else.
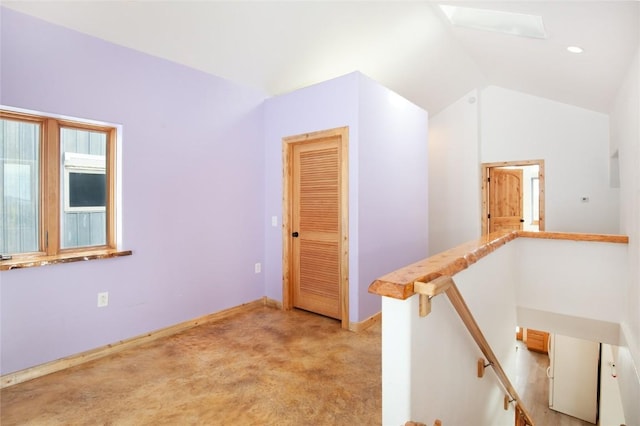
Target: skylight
(518, 24)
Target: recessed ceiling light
(575, 49)
(518, 24)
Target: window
(57, 196)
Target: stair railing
(445, 284)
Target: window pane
(19, 190)
(87, 189)
(84, 188)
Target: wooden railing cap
(399, 284)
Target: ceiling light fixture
(575, 49)
(518, 24)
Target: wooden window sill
(6, 265)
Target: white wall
(572, 141)
(504, 125)
(454, 175)
(625, 139)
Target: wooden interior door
(505, 199)
(316, 226)
(537, 197)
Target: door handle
(295, 235)
(521, 220)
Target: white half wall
(578, 278)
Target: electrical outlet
(257, 268)
(103, 299)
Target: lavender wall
(392, 185)
(193, 195)
(387, 178)
(199, 189)
(323, 106)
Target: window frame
(51, 170)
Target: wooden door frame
(485, 189)
(287, 155)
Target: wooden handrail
(456, 299)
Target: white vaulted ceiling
(408, 46)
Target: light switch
(274, 221)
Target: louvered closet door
(316, 219)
